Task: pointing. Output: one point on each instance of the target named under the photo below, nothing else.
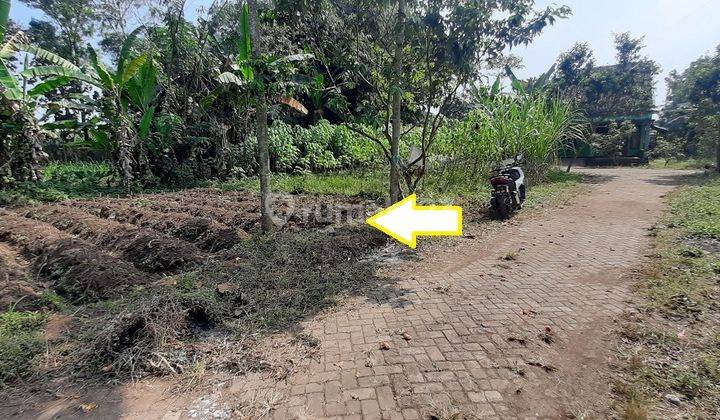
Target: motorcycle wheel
(502, 208)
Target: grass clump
(20, 343)
(690, 163)
(366, 183)
(672, 347)
(62, 181)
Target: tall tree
(75, 20)
(448, 42)
(261, 126)
(116, 18)
(692, 111)
(265, 76)
(622, 89)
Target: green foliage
(502, 127)
(322, 147)
(692, 112)
(621, 89)
(611, 144)
(697, 209)
(667, 150)
(63, 181)
(20, 343)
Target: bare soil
(15, 282)
(148, 250)
(71, 266)
(94, 246)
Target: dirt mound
(146, 249)
(74, 267)
(204, 232)
(229, 215)
(16, 289)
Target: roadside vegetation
(143, 163)
(670, 351)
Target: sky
(676, 31)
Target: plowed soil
(72, 266)
(95, 249)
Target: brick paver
(471, 323)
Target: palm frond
(125, 51)
(56, 71)
(132, 68)
(11, 89)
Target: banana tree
(22, 135)
(266, 78)
(121, 88)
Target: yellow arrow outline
(413, 243)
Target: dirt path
(516, 325)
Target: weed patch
(670, 352)
(20, 343)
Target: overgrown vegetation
(262, 285)
(670, 353)
(20, 342)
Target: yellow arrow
(405, 221)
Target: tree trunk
(261, 132)
(717, 154)
(261, 128)
(396, 106)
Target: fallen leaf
(227, 287)
(88, 407)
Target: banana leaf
(11, 89)
(48, 85)
(56, 71)
(47, 56)
(125, 52)
(132, 68)
(146, 123)
(228, 77)
(4, 17)
(101, 70)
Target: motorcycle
(508, 187)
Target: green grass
(674, 344)
(62, 181)
(365, 183)
(373, 184)
(20, 343)
(697, 209)
(691, 163)
(554, 189)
